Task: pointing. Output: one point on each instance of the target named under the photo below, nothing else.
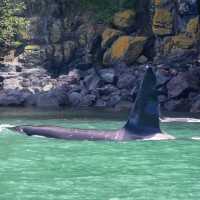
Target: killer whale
(143, 122)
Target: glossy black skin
(143, 120)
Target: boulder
(46, 101)
(180, 105)
(163, 76)
(33, 55)
(109, 36)
(181, 41)
(88, 100)
(195, 107)
(125, 48)
(193, 28)
(12, 84)
(114, 100)
(108, 89)
(182, 84)
(126, 81)
(75, 98)
(162, 22)
(124, 19)
(107, 75)
(142, 59)
(92, 81)
(13, 97)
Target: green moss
(32, 48)
(105, 9)
(17, 44)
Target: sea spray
(4, 126)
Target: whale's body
(143, 122)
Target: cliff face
(62, 34)
(61, 37)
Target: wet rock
(13, 98)
(92, 82)
(88, 100)
(12, 84)
(163, 76)
(75, 98)
(142, 59)
(195, 107)
(181, 105)
(108, 89)
(114, 100)
(100, 103)
(46, 100)
(182, 83)
(107, 75)
(126, 81)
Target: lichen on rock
(124, 19)
(125, 48)
(162, 22)
(109, 36)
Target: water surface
(33, 168)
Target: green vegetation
(105, 9)
(10, 20)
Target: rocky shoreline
(98, 87)
(101, 64)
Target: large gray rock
(88, 100)
(126, 81)
(195, 107)
(180, 105)
(107, 75)
(12, 84)
(184, 82)
(13, 97)
(75, 98)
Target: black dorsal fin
(144, 117)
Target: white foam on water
(188, 120)
(195, 138)
(4, 126)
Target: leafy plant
(10, 20)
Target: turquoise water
(34, 168)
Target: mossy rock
(17, 44)
(125, 48)
(32, 47)
(162, 22)
(109, 36)
(193, 28)
(124, 19)
(181, 41)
